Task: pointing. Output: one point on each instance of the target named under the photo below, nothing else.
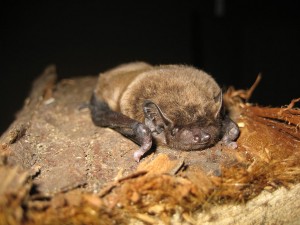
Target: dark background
(232, 40)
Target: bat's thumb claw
(137, 155)
(232, 145)
(143, 149)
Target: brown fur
(183, 93)
(114, 82)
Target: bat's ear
(219, 102)
(155, 118)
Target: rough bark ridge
(57, 167)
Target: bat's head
(201, 134)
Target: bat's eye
(174, 131)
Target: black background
(232, 40)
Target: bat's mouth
(188, 147)
(200, 145)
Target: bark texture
(58, 168)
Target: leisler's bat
(174, 105)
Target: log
(66, 170)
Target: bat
(173, 105)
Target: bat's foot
(144, 138)
(232, 132)
(231, 144)
(137, 155)
(143, 149)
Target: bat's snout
(194, 136)
(201, 138)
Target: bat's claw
(232, 144)
(137, 155)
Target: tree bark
(63, 169)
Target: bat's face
(194, 136)
(199, 135)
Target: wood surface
(56, 167)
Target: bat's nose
(201, 138)
(205, 137)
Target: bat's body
(174, 105)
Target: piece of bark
(61, 149)
(279, 207)
(14, 191)
(51, 133)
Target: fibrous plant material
(58, 168)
